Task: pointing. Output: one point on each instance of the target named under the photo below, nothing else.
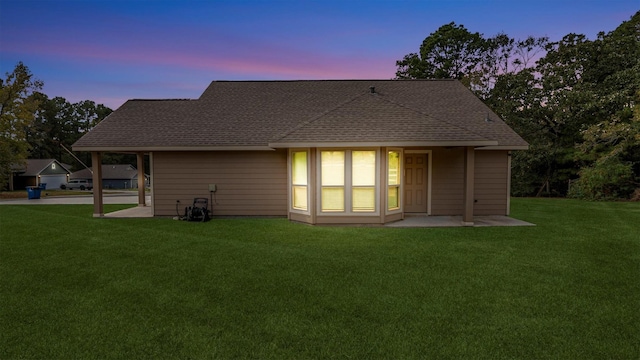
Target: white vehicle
(77, 184)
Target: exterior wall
(491, 183)
(448, 181)
(336, 220)
(248, 183)
(255, 184)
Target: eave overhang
(505, 147)
(345, 144)
(133, 149)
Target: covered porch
(98, 197)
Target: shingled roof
(109, 172)
(33, 167)
(269, 114)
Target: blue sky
(111, 51)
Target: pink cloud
(277, 62)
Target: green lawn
(75, 287)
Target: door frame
(429, 154)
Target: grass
(72, 286)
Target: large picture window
(299, 180)
(348, 181)
(393, 180)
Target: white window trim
(347, 184)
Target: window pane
(364, 199)
(332, 168)
(300, 197)
(332, 199)
(363, 166)
(393, 198)
(299, 168)
(394, 168)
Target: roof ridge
(176, 99)
(315, 118)
(313, 80)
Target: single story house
(113, 176)
(318, 151)
(39, 171)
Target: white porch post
(469, 182)
(96, 164)
(141, 182)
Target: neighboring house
(113, 176)
(40, 171)
(320, 152)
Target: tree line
(34, 126)
(574, 101)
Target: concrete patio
(409, 221)
(456, 221)
(418, 220)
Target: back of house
(320, 152)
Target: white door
(53, 181)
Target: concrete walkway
(134, 212)
(86, 198)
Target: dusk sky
(111, 51)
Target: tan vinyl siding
(490, 191)
(249, 183)
(491, 182)
(448, 181)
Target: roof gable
(35, 167)
(372, 117)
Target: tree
(52, 125)
(614, 150)
(18, 104)
(451, 52)
(59, 123)
(580, 89)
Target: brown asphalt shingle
(109, 172)
(259, 113)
